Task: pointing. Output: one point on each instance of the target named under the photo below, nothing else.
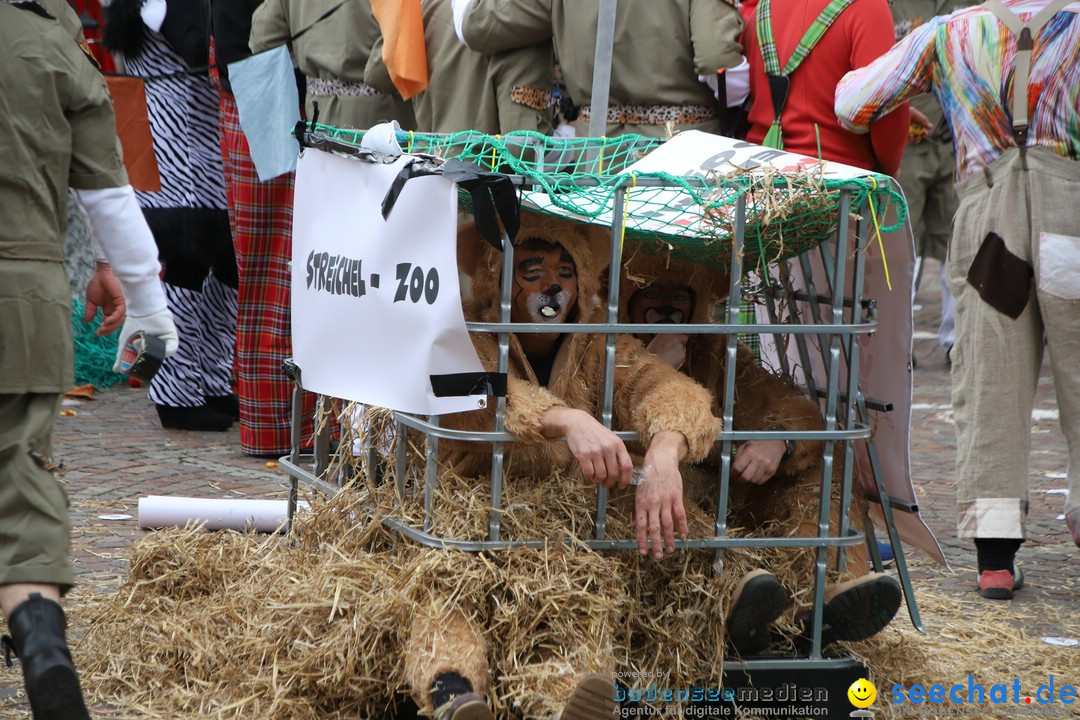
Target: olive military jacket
(57, 130)
(336, 48)
(468, 90)
(661, 47)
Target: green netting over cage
(691, 217)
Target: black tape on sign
(493, 194)
(466, 384)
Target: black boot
(224, 404)
(52, 685)
(202, 417)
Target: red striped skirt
(261, 218)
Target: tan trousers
(1014, 267)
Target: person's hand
(756, 461)
(659, 511)
(599, 451)
(160, 324)
(671, 348)
(103, 291)
(920, 127)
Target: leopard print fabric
(655, 114)
(532, 97)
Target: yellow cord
(626, 210)
(497, 137)
(409, 150)
(877, 229)
(600, 169)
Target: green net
(689, 217)
(94, 356)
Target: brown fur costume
(787, 505)
(649, 397)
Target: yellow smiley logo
(862, 693)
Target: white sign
(694, 154)
(376, 306)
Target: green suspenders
(779, 80)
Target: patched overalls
(1014, 267)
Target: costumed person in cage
(468, 90)
(58, 131)
(1007, 76)
(660, 50)
(168, 44)
(554, 391)
(776, 483)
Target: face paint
(662, 303)
(545, 284)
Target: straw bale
(234, 625)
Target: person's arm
(97, 178)
(491, 26)
(536, 416)
(872, 34)
(659, 511)
(599, 451)
(673, 416)
(715, 30)
(375, 73)
(765, 401)
(269, 26)
(871, 92)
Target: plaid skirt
(261, 218)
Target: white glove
(159, 324)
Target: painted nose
(553, 290)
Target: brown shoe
(859, 608)
(468, 706)
(758, 600)
(592, 699)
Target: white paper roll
(157, 511)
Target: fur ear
(470, 248)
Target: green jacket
(661, 47)
(57, 130)
(468, 90)
(336, 48)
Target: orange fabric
(133, 128)
(404, 52)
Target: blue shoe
(886, 552)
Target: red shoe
(1000, 584)
(1072, 521)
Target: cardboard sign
(133, 129)
(376, 305)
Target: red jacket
(862, 32)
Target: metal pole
(601, 84)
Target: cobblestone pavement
(114, 451)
